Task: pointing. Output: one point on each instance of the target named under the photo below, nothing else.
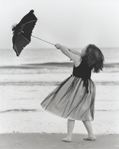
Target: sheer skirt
(71, 99)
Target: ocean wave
(51, 65)
(38, 110)
(20, 110)
(48, 83)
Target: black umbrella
(22, 32)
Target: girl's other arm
(76, 58)
(75, 51)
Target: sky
(73, 23)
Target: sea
(35, 57)
(45, 62)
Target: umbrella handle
(43, 40)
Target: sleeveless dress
(74, 98)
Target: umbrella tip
(31, 11)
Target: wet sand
(54, 141)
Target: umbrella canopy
(22, 32)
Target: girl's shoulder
(78, 62)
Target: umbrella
(22, 32)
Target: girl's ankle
(91, 136)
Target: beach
(23, 87)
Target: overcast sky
(74, 23)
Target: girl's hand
(57, 45)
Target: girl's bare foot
(67, 139)
(90, 138)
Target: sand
(54, 141)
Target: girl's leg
(70, 126)
(88, 126)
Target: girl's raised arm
(75, 57)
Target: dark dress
(74, 98)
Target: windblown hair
(93, 57)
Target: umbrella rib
(29, 22)
(25, 38)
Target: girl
(74, 98)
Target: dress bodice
(82, 71)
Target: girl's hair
(93, 57)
